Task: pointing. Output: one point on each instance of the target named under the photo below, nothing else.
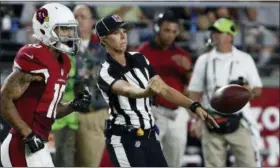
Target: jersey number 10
(58, 92)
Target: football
(230, 99)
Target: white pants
(14, 153)
(173, 132)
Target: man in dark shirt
(173, 65)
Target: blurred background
(258, 24)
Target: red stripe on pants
(17, 152)
(105, 160)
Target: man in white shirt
(223, 65)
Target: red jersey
(38, 105)
(171, 73)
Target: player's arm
(63, 109)
(14, 87)
(79, 104)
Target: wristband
(195, 105)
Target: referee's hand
(155, 86)
(203, 115)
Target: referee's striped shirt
(137, 72)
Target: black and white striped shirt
(137, 72)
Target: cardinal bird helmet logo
(42, 15)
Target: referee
(127, 81)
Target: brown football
(230, 99)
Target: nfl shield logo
(137, 144)
(117, 18)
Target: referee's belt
(120, 130)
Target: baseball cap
(166, 16)
(110, 23)
(224, 25)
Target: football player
(31, 94)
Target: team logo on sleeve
(117, 18)
(42, 15)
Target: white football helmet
(52, 16)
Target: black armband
(195, 105)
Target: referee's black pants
(128, 150)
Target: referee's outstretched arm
(157, 86)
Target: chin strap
(63, 48)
